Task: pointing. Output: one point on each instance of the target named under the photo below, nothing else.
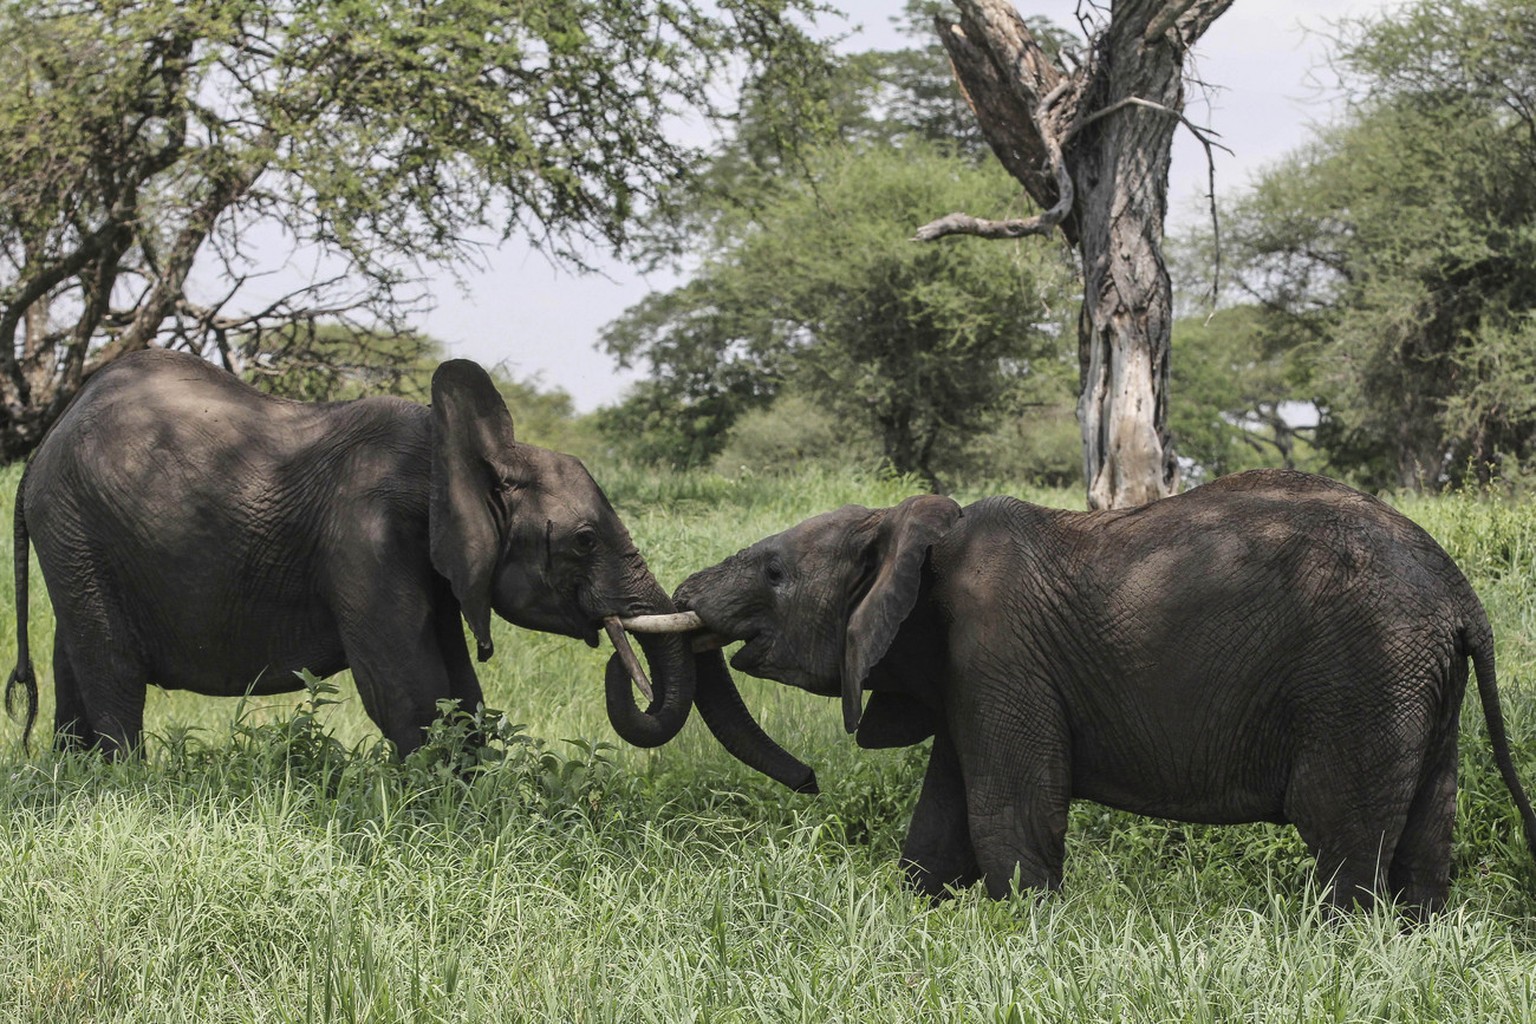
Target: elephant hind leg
(1351, 826)
(1420, 872)
(71, 729)
(98, 699)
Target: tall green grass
(267, 861)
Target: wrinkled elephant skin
(1272, 646)
(196, 534)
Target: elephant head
(821, 604)
(525, 532)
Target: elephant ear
(899, 548)
(895, 720)
(472, 441)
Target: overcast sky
(1264, 85)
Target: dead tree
(1090, 144)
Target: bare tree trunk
(1091, 146)
(1120, 173)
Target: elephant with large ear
(1272, 646)
(199, 535)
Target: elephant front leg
(403, 638)
(400, 668)
(937, 855)
(463, 682)
(1015, 756)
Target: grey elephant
(1272, 646)
(199, 535)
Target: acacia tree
(819, 291)
(1090, 143)
(143, 141)
(1400, 244)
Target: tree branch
(1012, 88)
(1165, 18)
(1198, 17)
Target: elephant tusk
(678, 622)
(615, 628)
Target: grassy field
(267, 863)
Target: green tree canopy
(141, 139)
(1239, 393)
(803, 276)
(921, 345)
(1401, 245)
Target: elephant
(1271, 646)
(197, 534)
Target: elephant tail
(1478, 642)
(22, 675)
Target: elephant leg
(937, 854)
(1420, 871)
(463, 682)
(390, 634)
(1016, 757)
(400, 690)
(1349, 800)
(100, 694)
(71, 729)
(397, 664)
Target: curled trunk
(661, 636)
(671, 663)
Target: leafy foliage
(793, 433)
(803, 279)
(920, 345)
(331, 362)
(142, 139)
(1236, 383)
(1401, 246)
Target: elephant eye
(774, 573)
(586, 541)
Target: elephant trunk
(727, 716)
(670, 658)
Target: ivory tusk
(678, 622)
(615, 628)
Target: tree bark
(1091, 147)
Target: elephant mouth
(752, 657)
(755, 658)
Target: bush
(791, 434)
(1040, 446)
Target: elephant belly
(202, 613)
(1212, 777)
(1208, 805)
(256, 652)
(208, 635)
(248, 663)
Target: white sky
(1261, 62)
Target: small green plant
(299, 744)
